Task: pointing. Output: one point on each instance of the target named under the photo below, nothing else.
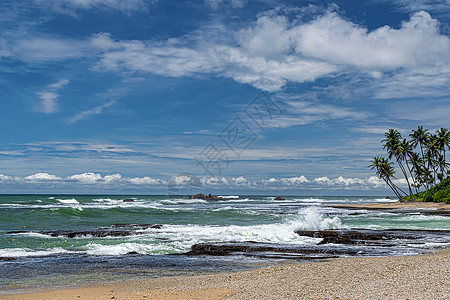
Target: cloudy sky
(233, 96)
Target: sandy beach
(424, 207)
(407, 277)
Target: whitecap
(24, 252)
(68, 201)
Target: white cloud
(294, 180)
(274, 51)
(111, 181)
(5, 178)
(112, 178)
(43, 49)
(95, 111)
(242, 181)
(146, 180)
(87, 178)
(214, 181)
(38, 177)
(48, 97)
(330, 38)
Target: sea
(51, 240)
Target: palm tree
(416, 167)
(432, 155)
(385, 171)
(419, 137)
(442, 141)
(396, 148)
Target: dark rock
(86, 233)
(132, 253)
(280, 198)
(141, 226)
(387, 197)
(284, 251)
(385, 238)
(206, 197)
(7, 258)
(128, 200)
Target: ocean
(48, 240)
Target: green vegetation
(425, 169)
(438, 193)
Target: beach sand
(407, 277)
(423, 207)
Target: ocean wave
(311, 218)
(25, 252)
(68, 201)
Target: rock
(6, 258)
(142, 226)
(385, 238)
(86, 233)
(128, 200)
(387, 197)
(206, 197)
(280, 198)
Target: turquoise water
(33, 257)
(185, 222)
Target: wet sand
(423, 207)
(407, 277)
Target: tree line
(421, 160)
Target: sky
(222, 96)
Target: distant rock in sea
(280, 198)
(128, 200)
(206, 197)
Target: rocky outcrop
(206, 197)
(128, 200)
(391, 237)
(280, 198)
(99, 233)
(141, 226)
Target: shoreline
(430, 208)
(400, 277)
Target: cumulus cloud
(275, 50)
(146, 180)
(116, 180)
(50, 96)
(40, 177)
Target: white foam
(24, 252)
(230, 197)
(125, 248)
(68, 201)
(311, 219)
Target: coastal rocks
(99, 233)
(6, 258)
(141, 226)
(79, 234)
(283, 251)
(206, 197)
(280, 198)
(259, 249)
(385, 238)
(128, 200)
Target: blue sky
(153, 96)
